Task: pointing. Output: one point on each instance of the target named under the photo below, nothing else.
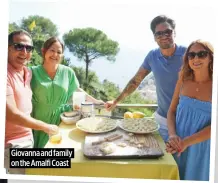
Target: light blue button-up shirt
(165, 71)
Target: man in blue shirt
(165, 63)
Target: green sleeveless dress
(50, 97)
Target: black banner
(41, 158)
(42, 152)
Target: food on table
(140, 125)
(141, 139)
(108, 148)
(122, 144)
(134, 115)
(126, 138)
(132, 140)
(98, 142)
(111, 136)
(96, 124)
(139, 145)
(130, 134)
(136, 141)
(128, 115)
(138, 114)
(71, 114)
(108, 138)
(115, 137)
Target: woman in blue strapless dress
(189, 115)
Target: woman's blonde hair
(186, 72)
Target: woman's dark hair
(161, 19)
(48, 43)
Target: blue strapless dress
(192, 116)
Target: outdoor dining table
(164, 167)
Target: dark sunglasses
(20, 47)
(200, 54)
(167, 32)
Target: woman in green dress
(52, 85)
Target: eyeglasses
(167, 32)
(200, 54)
(20, 47)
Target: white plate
(138, 132)
(91, 124)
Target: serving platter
(139, 126)
(97, 124)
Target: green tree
(88, 44)
(66, 61)
(136, 98)
(93, 87)
(42, 30)
(13, 27)
(111, 90)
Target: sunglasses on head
(20, 47)
(167, 32)
(200, 54)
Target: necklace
(197, 89)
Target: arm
(16, 117)
(133, 84)
(198, 137)
(171, 115)
(174, 140)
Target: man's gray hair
(17, 32)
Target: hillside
(148, 89)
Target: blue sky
(127, 23)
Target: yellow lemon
(128, 115)
(138, 114)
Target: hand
(76, 107)
(51, 129)
(170, 149)
(175, 142)
(110, 105)
(183, 145)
